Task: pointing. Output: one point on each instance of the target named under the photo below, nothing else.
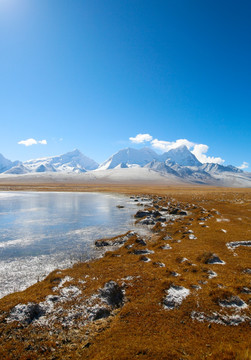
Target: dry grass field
(183, 292)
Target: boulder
(140, 214)
(112, 294)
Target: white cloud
(200, 151)
(43, 142)
(32, 141)
(244, 165)
(140, 138)
(168, 145)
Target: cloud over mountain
(199, 150)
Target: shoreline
(144, 270)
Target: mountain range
(178, 164)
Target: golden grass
(142, 328)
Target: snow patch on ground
(215, 317)
(69, 292)
(175, 296)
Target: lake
(42, 231)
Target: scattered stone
(140, 214)
(246, 290)
(192, 237)
(212, 274)
(233, 301)
(166, 247)
(178, 211)
(231, 320)
(247, 271)
(167, 237)
(174, 274)
(99, 313)
(112, 294)
(160, 264)
(101, 243)
(161, 219)
(141, 242)
(26, 313)
(120, 206)
(196, 287)
(120, 240)
(147, 221)
(145, 259)
(235, 244)
(142, 251)
(214, 259)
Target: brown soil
(143, 328)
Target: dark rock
(141, 242)
(247, 271)
(147, 221)
(246, 290)
(142, 252)
(144, 258)
(178, 211)
(99, 313)
(156, 214)
(174, 211)
(140, 214)
(161, 219)
(101, 243)
(112, 294)
(232, 301)
(26, 313)
(214, 259)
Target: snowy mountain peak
(73, 161)
(6, 164)
(129, 157)
(182, 156)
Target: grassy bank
(180, 293)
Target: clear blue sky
(89, 74)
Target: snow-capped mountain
(73, 161)
(216, 168)
(17, 170)
(129, 157)
(182, 156)
(178, 166)
(6, 164)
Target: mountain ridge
(178, 163)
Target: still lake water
(40, 232)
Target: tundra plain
(183, 292)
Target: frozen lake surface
(40, 232)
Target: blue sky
(90, 74)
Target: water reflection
(46, 230)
